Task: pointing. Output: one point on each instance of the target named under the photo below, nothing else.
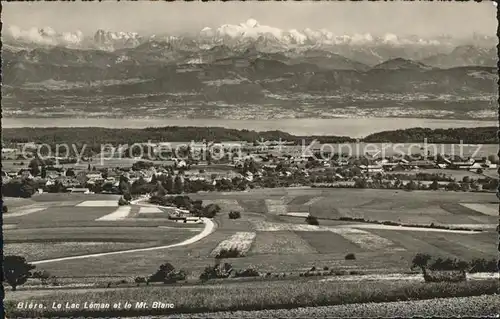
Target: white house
(371, 168)
(80, 190)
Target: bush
(311, 220)
(127, 197)
(420, 260)
(483, 265)
(24, 188)
(249, 272)
(448, 264)
(43, 275)
(167, 274)
(176, 276)
(122, 202)
(234, 215)
(210, 210)
(55, 281)
(445, 276)
(217, 271)
(350, 256)
(325, 268)
(139, 280)
(228, 253)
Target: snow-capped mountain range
(268, 37)
(238, 71)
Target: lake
(352, 127)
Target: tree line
(94, 137)
(472, 135)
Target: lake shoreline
(353, 127)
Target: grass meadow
(245, 296)
(282, 244)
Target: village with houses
(239, 166)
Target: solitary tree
(16, 270)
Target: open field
(454, 173)
(485, 209)
(326, 242)
(111, 234)
(46, 243)
(34, 251)
(280, 256)
(240, 241)
(48, 228)
(249, 295)
(477, 306)
(492, 173)
(417, 207)
(10, 165)
(282, 244)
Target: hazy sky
(400, 18)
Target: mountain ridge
(246, 76)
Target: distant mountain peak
(464, 55)
(401, 64)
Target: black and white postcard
(250, 159)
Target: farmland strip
(483, 209)
(242, 241)
(276, 206)
(149, 210)
(98, 203)
(121, 213)
(313, 200)
(283, 242)
(365, 239)
(269, 226)
(326, 242)
(229, 204)
(24, 212)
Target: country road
(209, 228)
